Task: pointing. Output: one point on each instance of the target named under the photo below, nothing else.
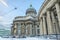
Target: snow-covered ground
(29, 38)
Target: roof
(31, 9)
(25, 18)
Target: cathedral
(46, 23)
(26, 26)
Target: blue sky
(7, 14)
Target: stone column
(15, 30)
(58, 11)
(36, 29)
(19, 28)
(44, 25)
(26, 29)
(50, 31)
(12, 30)
(23, 29)
(53, 22)
(41, 27)
(30, 29)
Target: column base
(55, 36)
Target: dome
(31, 9)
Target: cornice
(43, 5)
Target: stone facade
(49, 17)
(26, 26)
(46, 23)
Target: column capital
(41, 17)
(44, 15)
(57, 1)
(48, 9)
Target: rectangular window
(32, 31)
(38, 31)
